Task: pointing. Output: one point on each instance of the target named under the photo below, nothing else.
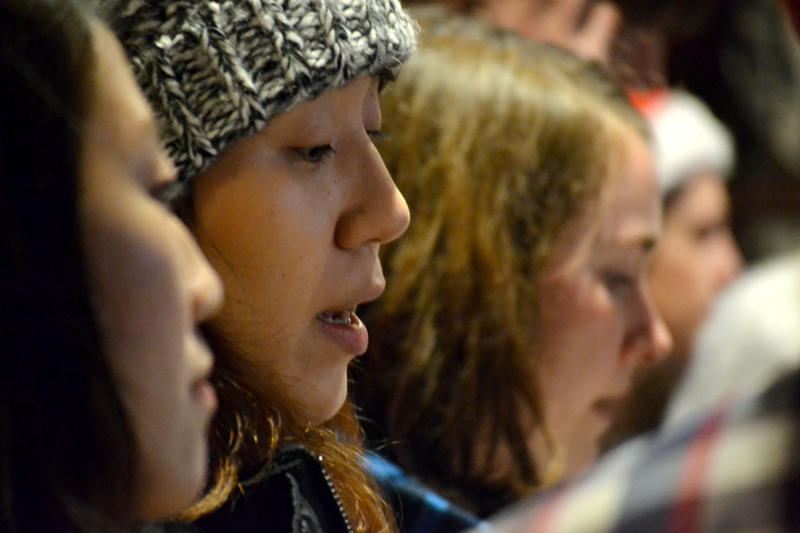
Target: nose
(378, 213)
(203, 284)
(661, 339)
(731, 261)
(651, 340)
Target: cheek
(153, 321)
(260, 324)
(582, 339)
(681, 280)
(272, 299)
(136, 282)
(584, 364)
(145, 327)
(682, 258)
(269, 243)
(580, 315)
(242, 225)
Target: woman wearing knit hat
(697, 256)
(516, 309)
(269, 110)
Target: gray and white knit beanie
(218, 71)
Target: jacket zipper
(334, 493)
(320, 461)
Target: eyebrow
(385, 76)
(644, 244)
(648, 244)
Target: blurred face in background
(696, 258)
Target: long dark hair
(66, 450)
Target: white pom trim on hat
(687, 139)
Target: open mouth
(346, 329)
(345, 317)
(204, 393)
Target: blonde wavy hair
(497, 144)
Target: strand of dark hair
(66, 454)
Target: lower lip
(607, 410)
(204, 394)
(352, 338)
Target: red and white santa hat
(687, 137)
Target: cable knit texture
(216, 72)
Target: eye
(315, 154)
(708, 232)
(167, 193)
(618, 283)
(376, 135)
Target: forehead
(335, 103)
(625, 222)
(703, 193)
(630, 210)
(312, 121)
(117, 110)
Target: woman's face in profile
(696, 258)
(150, 287)
(597, 322)
(292, 217)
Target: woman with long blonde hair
(516, 310)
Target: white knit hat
(687, 138)
(218, 71)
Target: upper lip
(615, 397)
(610, 400)
(372, 293)
(205, 362)
(365, 295)
(622, 389)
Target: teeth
(340, 318)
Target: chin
(167, 504)
(580, 459)
(328, 406)
(175, 486)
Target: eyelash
(315, 154)
(318, 154)
(167, 193)
(376, 135)
(617, 282)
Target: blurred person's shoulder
(750, 339)
(733, 469)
